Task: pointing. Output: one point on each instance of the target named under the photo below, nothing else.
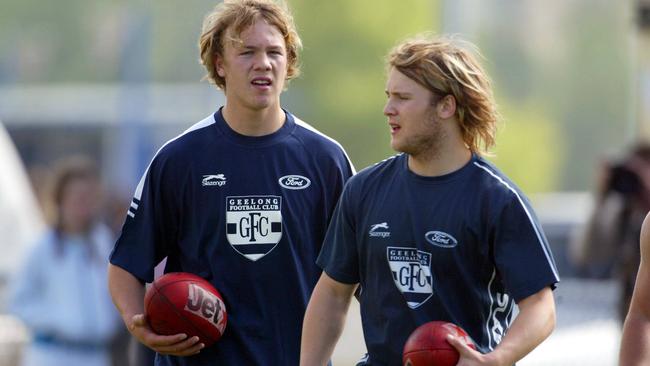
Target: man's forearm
(634, 343)
(323, 324)
(126, 291)
(533, 324)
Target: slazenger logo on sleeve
(213, 180)
(379, 230)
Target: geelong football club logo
(411, 270)
(253, 224)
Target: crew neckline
(439, 178)
(254, 141)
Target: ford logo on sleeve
(440, 239)
(294, 182)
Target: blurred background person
(609, 247)
(60, 290)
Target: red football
(428, 346)
(185, 303)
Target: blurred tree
(342, 87)
(568, 64)
(175, 52)
(562, 66)
(530, 147)
(593, 102)
(55, 41)
(81, 41)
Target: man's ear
(446, 107)
(218, 64)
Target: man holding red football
(435, 232)
(241, 199)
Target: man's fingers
(138, 320)
(459, 345)
(176, 344)
(184, 351)
(158, 341)
(186, 347)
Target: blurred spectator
(610, 244)
(60, 291)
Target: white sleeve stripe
(489, 318)
(306, 125)
(530, 218)
(204, 123)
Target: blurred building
(120, 125)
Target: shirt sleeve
(151, 224)
(522, 254)
(341, 169)
(339, 255)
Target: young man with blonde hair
(241, 199)
(435, 232)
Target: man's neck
(248, 122)
(446, 160)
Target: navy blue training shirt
(462, 247)
(249, 214)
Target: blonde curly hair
(445, 66)
(236, 16)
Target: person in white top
(60, 291)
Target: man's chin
(264, 103)
(396, 146)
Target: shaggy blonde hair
(235, 16)
(445, 67)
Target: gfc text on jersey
(254, 224)
(411, 270)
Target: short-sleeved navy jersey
(462, 247)
(249, 214)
